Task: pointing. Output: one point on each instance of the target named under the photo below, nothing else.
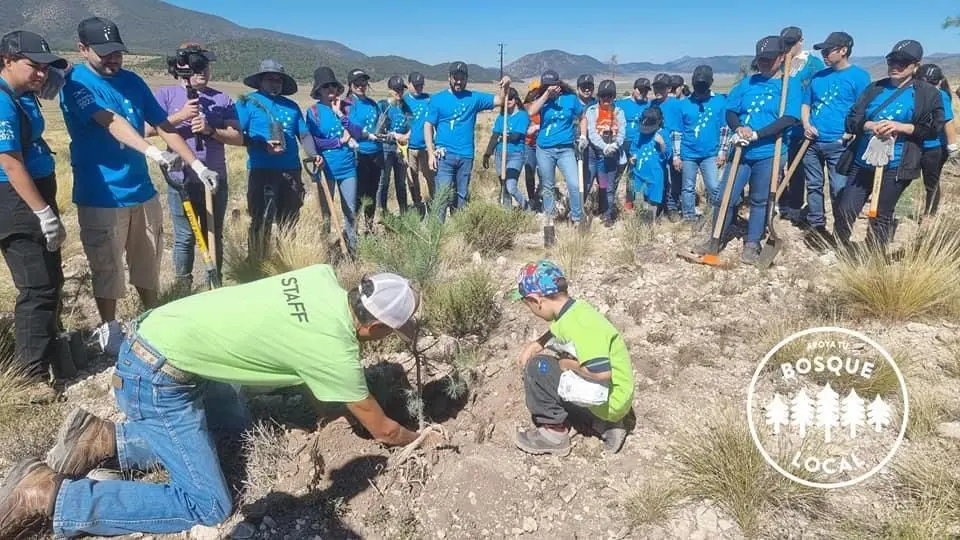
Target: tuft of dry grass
(931, 480)
(265, 446)
(927, 410)
(652, 504)
(722, 464)
(923, 280)
(489, 227)
(636, 234)
(573, 250)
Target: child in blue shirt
(651, 153)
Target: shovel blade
(769, 252)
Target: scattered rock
(916, 327)
(501, 260)
(270, 522)
(950, 430)
(529, 525)
(476, 258)
(243, 531)
(828, 259)
(950, 325)
(200, 532)
(568, 493)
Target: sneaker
(543, 441)
(751, 252)
(109, 336)
(27, 498)
(83, 442)
(613, 434)
(674, 216)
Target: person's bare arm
(175, 142)
(12, 164)
(369, 413)
(121, 130)
(537, 105)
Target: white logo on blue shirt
(6, 131)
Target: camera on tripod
(188, 61)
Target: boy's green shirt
(596, 343)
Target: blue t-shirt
(756, 100)
(338, 163)
(454, 116)
(898, 110)
(633, 113)
(941, 140)
(36, 154)
(107, 174)
(830, 96)
(700, 123)
(419, 107)
(650, 170)
(397, 122)
(557, 118)
(364, 112)
(255, 112)
(517, 122)
(670, 107)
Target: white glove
(582, 143)
(209, 178)
(51, 87)
(879, 152)
(169, 160)
(52, 228)
(353, 144)
(737, 140)
(611, 149)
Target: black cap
(395, 83)
(415, 78)
(908, 50)
(930, 73)
(458, 68)
(322, 76)
(676, 81)
(356, 75)
(791, 35)
(661, 80)
(31, 46)
(584, 80)
(702, 74)
(651, 120)
(642, 83)
(835, 40)
(769, 47)
(549, 78)
(101, 35)
(607, 89)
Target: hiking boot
(83, 442)
(543, 441)
(751, 252)
(109, 336)
(27, 498)
(613, 434)
(674, 216)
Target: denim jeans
(818, 154)
(392, 163)
(606, 169)
(548, 159)
(169, 423)
(757, 173)
(348, 205)
(183, 241)
(688, 195)
(511, 190)
(453, 171)
(791, 202)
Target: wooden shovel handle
(727, 191)
(875, 194)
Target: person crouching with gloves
(518, 127)
(753, 112)
(606, 128)
(31, 232)
(890, 121)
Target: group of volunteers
(180, 366)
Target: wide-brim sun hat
(272, 66)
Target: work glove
(52, 228)
(879, 151)
(209, 178)
(353, 144)
(611, 149)
(168, 160)
(486, 161)
(737, 140)
(56, 78)
(582, 143)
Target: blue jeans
(511, 191)
(348, 204)
(184, 244)
(757, 173)
(453, 170)
(169, 423)
(605, 169)
(548, 159)
(817, 154)
(688, 195)
(392, 163)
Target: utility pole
(613, 66)
(501, 59)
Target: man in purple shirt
(212, 117)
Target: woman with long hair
(394, 127)
(517, 122)
(937, 149)
(530, 149)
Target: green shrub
(489, 227)
(464, 305)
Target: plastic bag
(575, 389)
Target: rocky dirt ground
(695, 335)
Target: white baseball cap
(392, 301)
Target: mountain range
(156, 28)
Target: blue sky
(653, 30)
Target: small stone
(515, 531)
(801, 283)
(501, 260)
(243, 531)
(535, 471)
(950, 325)
(476, 257)
(529, 525)
(828, 259)
(200, 532)
(270, 522)
(568, 493)
(916, 327)
(603, 309)
(657, 317)
(950, 430)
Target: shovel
(212, 277)
(774, 244)
(337, 227)
(769, 251)
(211, 226)
(503, 151)
(712, 257)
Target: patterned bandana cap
(540, 278)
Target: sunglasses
(899, 62)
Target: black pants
(273, 196)
(368, 182)
(393, 164)
(37, 274)
(792, 200)
(541, 380)
(931, 164)
(852, 198)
